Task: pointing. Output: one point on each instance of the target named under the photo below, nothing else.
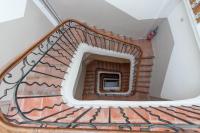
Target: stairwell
(91, 74)
(37, 95)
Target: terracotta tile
(64, 106)
(153, 118)
(166, 117)
(40, 78)
(88, 116)
(70, 38)
(50, 102)
(69, 50)
(72, 116)
(50, 60)
(37, 90)
(59, 57)
(190, 116)
(49, 112)
(193, 108)
(56, 64)
(49, 70)
(187, 113)
(116, 116)
(133, 117)
(142, 113)
(175, 114)
(102, 116)
(30, 104)
(76, 35)
(61, 50)
(64, 112)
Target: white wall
(11, 9)
(79, 86)
(183, 75)
(20, 34)
(104, 16)
(193, 22)
(68, 84)
(45, 8)
(145, 9)
(162, 47)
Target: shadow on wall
(19, 34)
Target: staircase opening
(73, 87)
(42, 90)
(90, 63)
(103, 77)
(109, 81)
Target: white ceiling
(103, 15)
(145, 9)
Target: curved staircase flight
(31, 99)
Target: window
(109, 81)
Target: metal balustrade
(30, 91)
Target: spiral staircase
(31, 89)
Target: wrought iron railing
(30, 89)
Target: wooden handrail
(26, 52)
(34, 45)
(5, 126)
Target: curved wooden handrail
(5, 126)
(26, 52)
